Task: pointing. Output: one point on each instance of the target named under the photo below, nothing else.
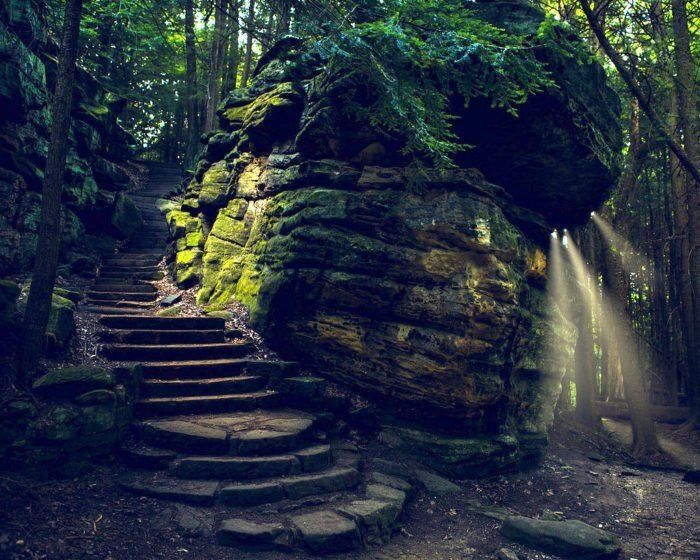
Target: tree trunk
(583, 357)
(216, 59)
(232, 55)
(283, 18)
(644, 441)
(688, 121)
(249, 44)
(191, 84)
(36, 315)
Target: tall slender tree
(216, 61)
(191, 83)
(248, 57)
(36, 315)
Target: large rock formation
(422, 289)
(97, 146)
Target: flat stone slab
(326, 531)
(375, 518)
(387, 494)
(392, 481)
(569, 539)
(237, 467)
(250, 534)
(436, 484)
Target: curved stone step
(165, 352)
(196, 492)
(308, 460)
(206, 404)
(289, 488)
(258, 432)
(199, 387)
(128, 296)
(143, 456)
(128, 270)
(163, 323)
(188, 369)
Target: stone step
(130, 276)
(139, 455)
(289, 488)
(217, 368)
(167, 352)
(256, 432)
(128, 271)
(125, 304)
(163, 323)
(98, 295)
(215, 404)
(201, 493)
(155, 388)
(307, 460)
(128, 261)
(165, 336)
(105, 310)
(126, 287)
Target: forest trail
(212, 425)
(684, 454)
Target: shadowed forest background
(383, 279)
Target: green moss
(214, 188)
(71, 381)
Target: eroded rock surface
(424, 290)
(98, 147)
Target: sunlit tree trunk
(38, 309)
(688, 122)
(248, 57)
(191, 81)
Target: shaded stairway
(211, 427)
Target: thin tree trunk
(688, 164)
(232, 56)
(283, 18)
(249, 44)
(36, 315)
(216, 59)
(688, 117)
(191, 84)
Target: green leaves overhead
(418, 53)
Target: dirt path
(674, 440)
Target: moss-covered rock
(9, 292)
(72, 381)
(126, 218)
(420, 288)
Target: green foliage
(417, 54)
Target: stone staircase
(212, 426)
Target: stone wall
(83, 415)
(96, 156)
(423, 290)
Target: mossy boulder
(420, 288)
(9, 292)
(126, 218)
(70, 382)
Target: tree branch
(637, 92)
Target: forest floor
(586, 476)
